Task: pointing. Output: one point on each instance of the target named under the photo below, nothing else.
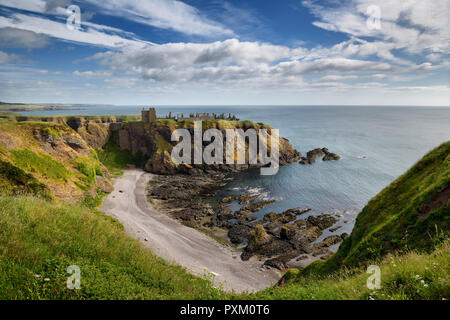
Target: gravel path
(179, 244)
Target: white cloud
(231, 62)
(29, 5)
(338, 78)
(92, 34)
(89, 73)
(16, 38)
(165, 14)
(413, 25)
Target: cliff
(50, 160)
(117, 140)
(154, 141)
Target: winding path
(179, 244)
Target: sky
(238, 52)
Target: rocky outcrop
(330, 156)
(312, 155)
(154, 141)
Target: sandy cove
(179, 244)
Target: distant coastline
(23, 107)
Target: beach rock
(301, 239)
(322, 221)
(228, 199)
(246, 198)
(256, 206)
(335, 228)
(302, 257)
(328, 241)
(331, 157)
(296, 211)
(281, 261)
(312, 155)
(307, 161)
(262, 244)
(224, 213)
(322, 251)
(275, 263)
(239, 233)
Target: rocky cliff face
(52, 159)
(154, 141)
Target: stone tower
(152, 115)
(148, 116)
(145, 115)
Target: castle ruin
(149, 116)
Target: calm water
(377, 144)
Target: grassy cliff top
(218, 124)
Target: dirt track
(179, 244)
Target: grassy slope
(41, 238)
(397, 218)
(403, 277)
(68, 173)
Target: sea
(377, 144)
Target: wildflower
(282, 282)
(417, 276)
(37, 276)
(46, 279)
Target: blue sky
(155, 52)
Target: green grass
(15, 181)
(115, 159)
(90, 168)
(40, 238)
(411, 276)
(52, 132)
(45, 165)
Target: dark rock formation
(312, 155)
